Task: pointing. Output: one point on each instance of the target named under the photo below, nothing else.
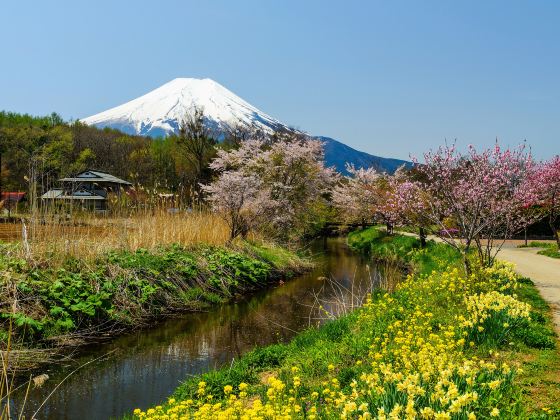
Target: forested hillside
(48, 148)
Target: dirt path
(543, 270)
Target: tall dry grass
(51, 238)
(343, 299)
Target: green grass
(127, 288)
(362, 240)
(414, 229)
(313, 350)
(550, 249)
(405, 249)
(539, 356)
(280, 258)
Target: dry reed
(344, 299)
(87, 236)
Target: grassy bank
(48, 306)
(405, 250)
(441, 346)
(549, 249)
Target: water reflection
(145, 367)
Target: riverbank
(47, 309)
(145, 366)
(440, 346)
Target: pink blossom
(482, 194)
(278, 184)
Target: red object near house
(9, 201)
(11, 197)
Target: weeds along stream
(143, 368)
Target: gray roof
(95, 176)
(52, 194)
(77, 195)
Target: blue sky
(391, 78)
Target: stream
(143, 368)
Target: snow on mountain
(159, 113)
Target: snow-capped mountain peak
(160, 111)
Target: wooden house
(90, 189)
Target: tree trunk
(552, 224)
(389, 229)
(0, 173)
(422, 235)
(467, 264)
(479, 250)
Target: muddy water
(143, 368)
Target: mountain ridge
(158, 113)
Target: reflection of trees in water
(151, 363)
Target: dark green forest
(46, 148)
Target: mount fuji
(159, 112)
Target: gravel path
(543, 270)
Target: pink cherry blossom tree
(405, 204)
(543, 192)
(482, 193)
(282, 182)
(367, 195)
(234, 195)
(357, 196)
